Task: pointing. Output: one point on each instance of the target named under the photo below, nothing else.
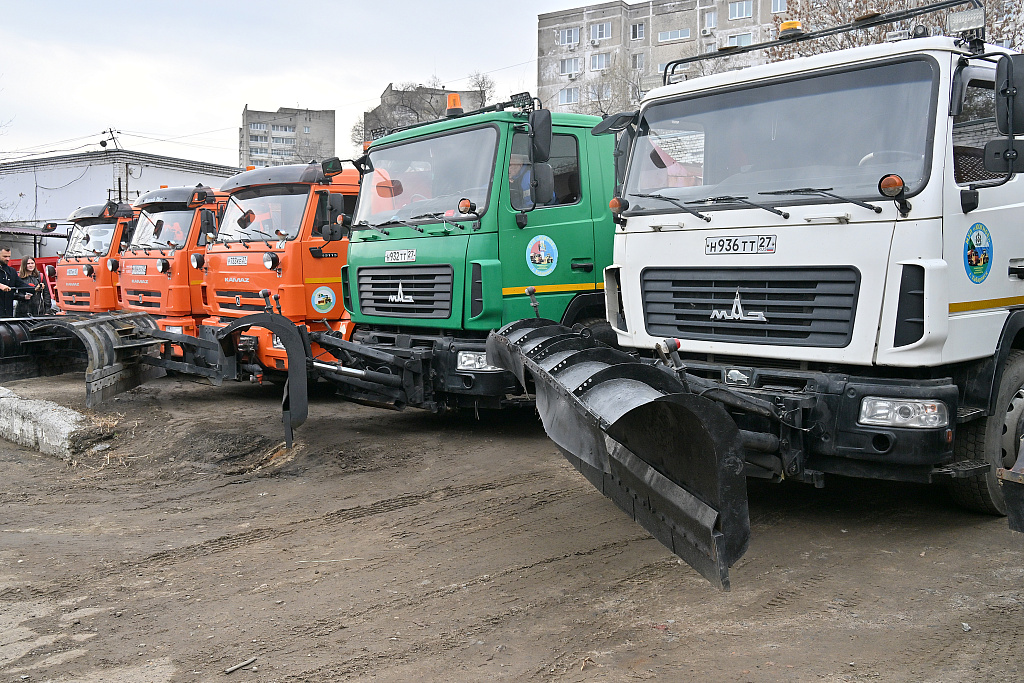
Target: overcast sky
(173, 77)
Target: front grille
(74, 298)
(406, 291)
(148, 299)
(239, 301)
(800, 306)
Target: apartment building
(603, 57)
(285, 136)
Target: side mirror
(246, 219)
(389, 189)
(621, 156)
(1001, 157)
(198, 198)
(333, 232)
(1010, 108)
(540, 136)
(336, 204)
(49, 227)
(331, 167)
(544, 178)
(207, 226)
(158, 227)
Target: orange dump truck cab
(84, 282)
(270, 256)
(156, 276)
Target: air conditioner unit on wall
(572, 47)
(595, 41)
(573, 76)
(705, 32)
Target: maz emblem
(400, 297)
(737, 312)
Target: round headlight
(270, 260)
(88, 270)
(112, 265)
(197, 260)
(163, 265)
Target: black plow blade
(669, 458)
(1012, 481)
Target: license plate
(72, 271)
(400, 256)
(139, 270)
(749, 244)
(242, 260)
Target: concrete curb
(45, 426)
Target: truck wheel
(601, 330)
(994, 440)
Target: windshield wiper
(673, 200)
(439, 215)
(725, 198)
(398, 221)
(371, 226)
(824, 192)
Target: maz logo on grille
(737, 312)
(401, 297)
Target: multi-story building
(287, 136)
(603, 57)
(399, 107)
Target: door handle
(586, 267)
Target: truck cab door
(554, 251)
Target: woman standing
(40, 303)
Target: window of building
(568, 36)
(711, 18)
(599, 62)
(710, 47)
(257, 138)
(673, 35)
(569, 66)
(636, 32)
(283, 129)
(284, 141)
(305, 129)
(601, 31)
(741, 40)
(565, 163)
(741, 9)
(568, 95)
(257, 150)
(637, 61)
(257, 126)
(778, 6)
(281, 152)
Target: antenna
(113, 138)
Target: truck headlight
(197, 260)
(892, 412)
(473, 360)
(175, 329)
(270, 260)
(163, 266)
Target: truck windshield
(90, 238)
(162, 229)
(428, 177)
(270, 213)
(841, 131)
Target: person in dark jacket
(9, 280)
(39, 304)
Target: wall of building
(285, 136)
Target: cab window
(565, 162)
(972, 128)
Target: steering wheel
(888, 156)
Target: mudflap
(110, 346)
(295, 400)
(1012, 481)
(669, 458)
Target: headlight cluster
(163, 266)
(175, 329)
(913, 413)
(112, 265)
(271, 260)
(197, 260)
(473, 360)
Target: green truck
(456, 220)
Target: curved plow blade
(108, 346)
(669, 458)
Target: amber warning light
(454, 105)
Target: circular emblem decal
(978, 253)
(542, 255)
(323, 299)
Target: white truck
(818, 269)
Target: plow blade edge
(669, 458)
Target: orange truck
(99, 232)
(156, 276)
(270, 256)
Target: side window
(971, 130)
(565, 163)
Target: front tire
(995, 440)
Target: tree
(410, 103)
(1003, 21)
(617, 87)
(483, 85)
(358, 134)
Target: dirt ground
(405, 546)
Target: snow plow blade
(1012, 481)
(108, 347)
(669, 458)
